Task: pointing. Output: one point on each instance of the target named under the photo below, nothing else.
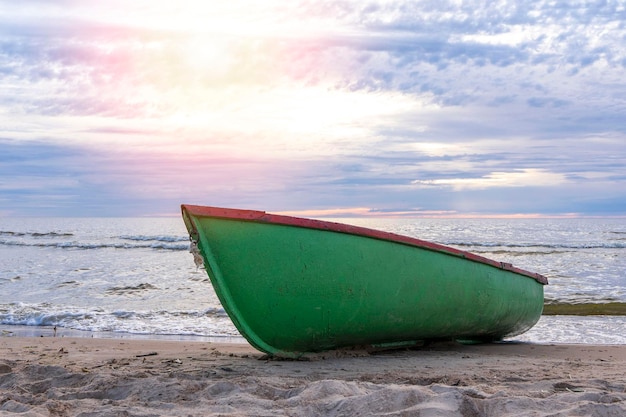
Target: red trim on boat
(263, 217)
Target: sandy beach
(69, 376)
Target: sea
(135, 277)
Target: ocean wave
(131, 289)
(209, 322)
(510, 252)
(71, 283)
(611, 245)
(596, 330)
(28, 316)
(34, 234)
(83, 245)
(144, 238)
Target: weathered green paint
(292, 289)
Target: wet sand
(78, 376)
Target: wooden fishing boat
(293, 285)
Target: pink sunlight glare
(218, 86)
(234, 76)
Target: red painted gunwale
(263, 217)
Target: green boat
(294, 285)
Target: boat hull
(291, 289)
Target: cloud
(456, 55)
(376, 106)
(529, 177)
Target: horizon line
(367, 213)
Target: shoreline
(570, 332)
(128, 376)
(61, 332)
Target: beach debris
(197, 257)
(141, 355)
(565, 386)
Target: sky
(314, 108)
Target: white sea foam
(599, 330)
(210, 322)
